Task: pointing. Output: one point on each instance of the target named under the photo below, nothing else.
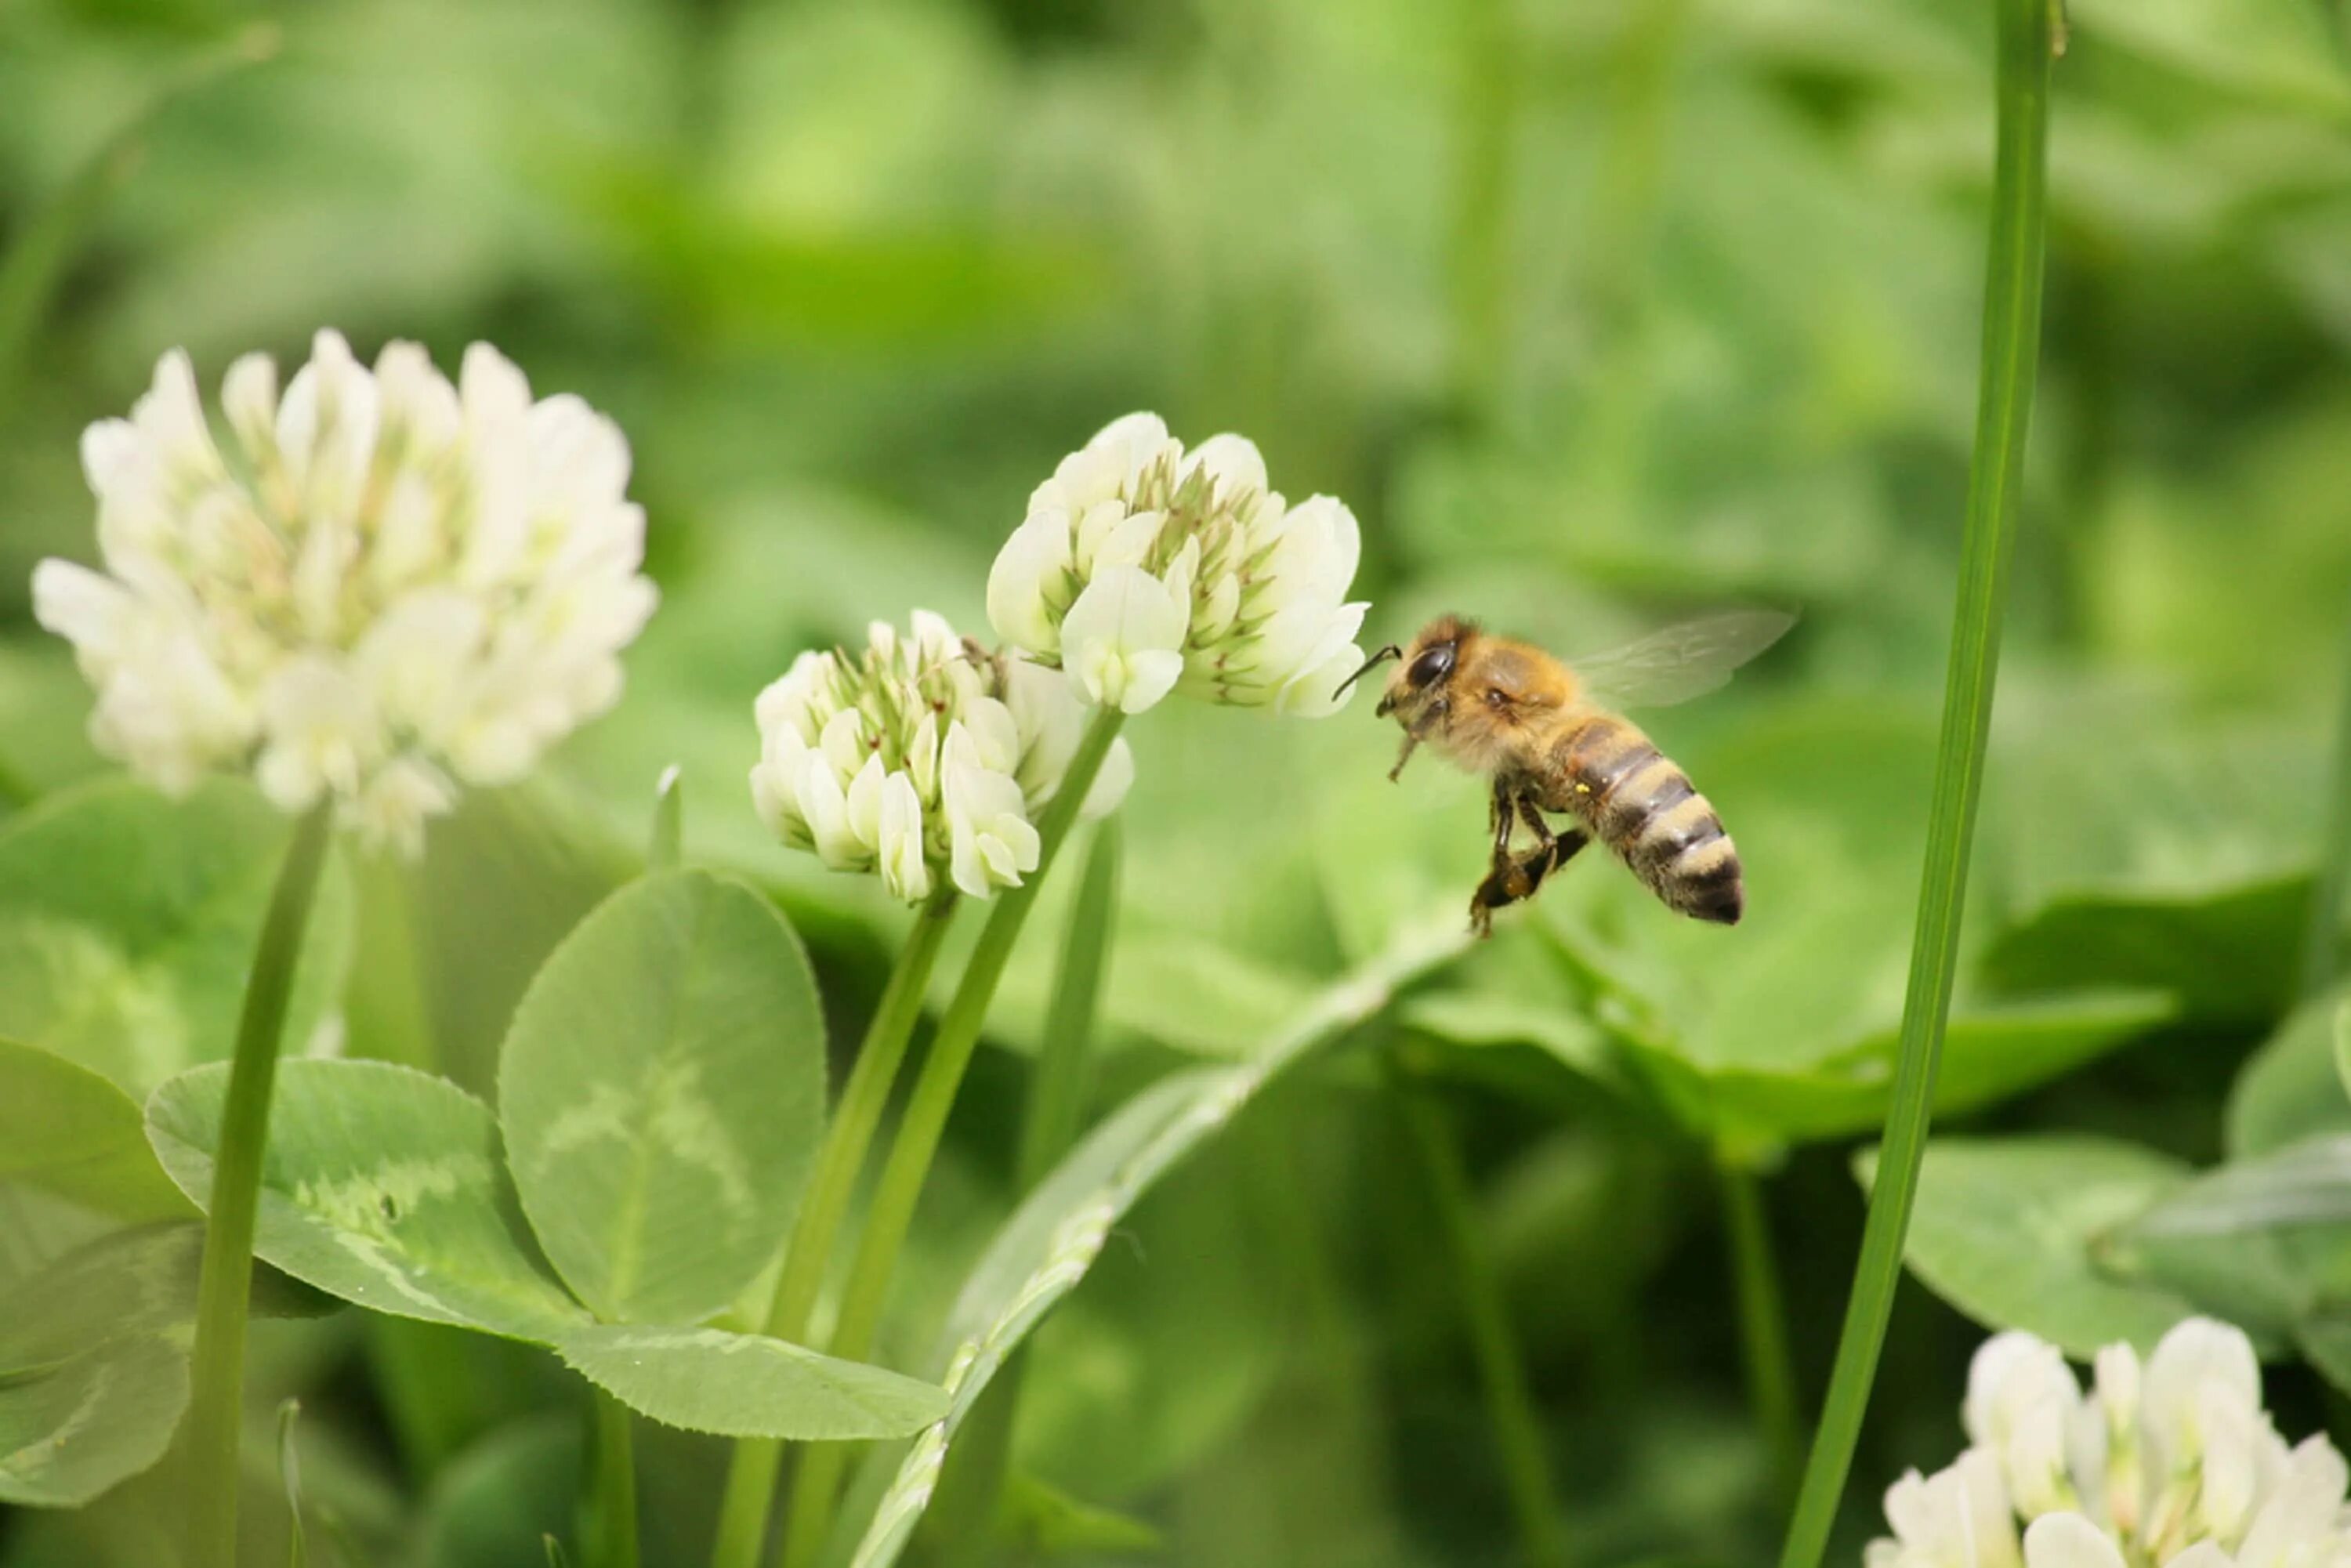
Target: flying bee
(1549, 738)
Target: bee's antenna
(1382, 657)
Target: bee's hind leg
(1512, 881)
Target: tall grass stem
(224, 1289)
(2011, 341)
(900, 1187)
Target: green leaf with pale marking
(663, 1093)
(2010, 1231)
(141, 1281)
(748, 1386)
(128, 923)
(66, 1129)
(98, 1419)
(381, 1186)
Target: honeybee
(1549, 738)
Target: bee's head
(1422, 670)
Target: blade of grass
(289, 1473)
(971, 1483)
(1502, 1370)
(669, 821)
(217, 1376)
(2011, 340)
(909, 1163)
(47, 244)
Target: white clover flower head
(1142, 569)
(382, 586)
(921, 758)
(2178, 1467)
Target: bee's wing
(1681, 662)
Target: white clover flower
(2176, 1466)
(1142, 569)
(383, 586)
(924, 757)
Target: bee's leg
(1430, 717)
(1532, 815)
(1513, 880)
(1507, 878)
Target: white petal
(1122, 636)
(2301, 1512)
(1111, 783)
(1020, 607)
(905, 871)
(2069, 1540)
(1233, 461)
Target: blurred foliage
(1595, 312)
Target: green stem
(1484, 116)
(918, 1139)
(216, 1391)
(1057, 1093)
(971, 1484)
(1526, 1468)
(2011, 340)
(1762, 1322)
(668, 840)
(2323, 938)
(612, 1532)
(751, 1471)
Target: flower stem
(2012, 285)
(1763, 1323)
(1526, 1468)
(751, 1472)
(613, 1526)
(217, 1399)
(1057, 1093)
(918, 1139)
(2322, 940)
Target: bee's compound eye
(1433, 665)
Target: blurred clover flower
(923, 756)
(1142, 569)
(385, 580)
(2172, 1464)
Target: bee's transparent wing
(1681, 662)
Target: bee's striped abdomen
(1642, 807)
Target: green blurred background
(1597, 312)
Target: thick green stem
(904, 1174)
(751, 1472)
(2011, 347)
(2323, 939)
(1502, 1372)
(216, 1379)
(612, 1494)
(1763, 1323)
